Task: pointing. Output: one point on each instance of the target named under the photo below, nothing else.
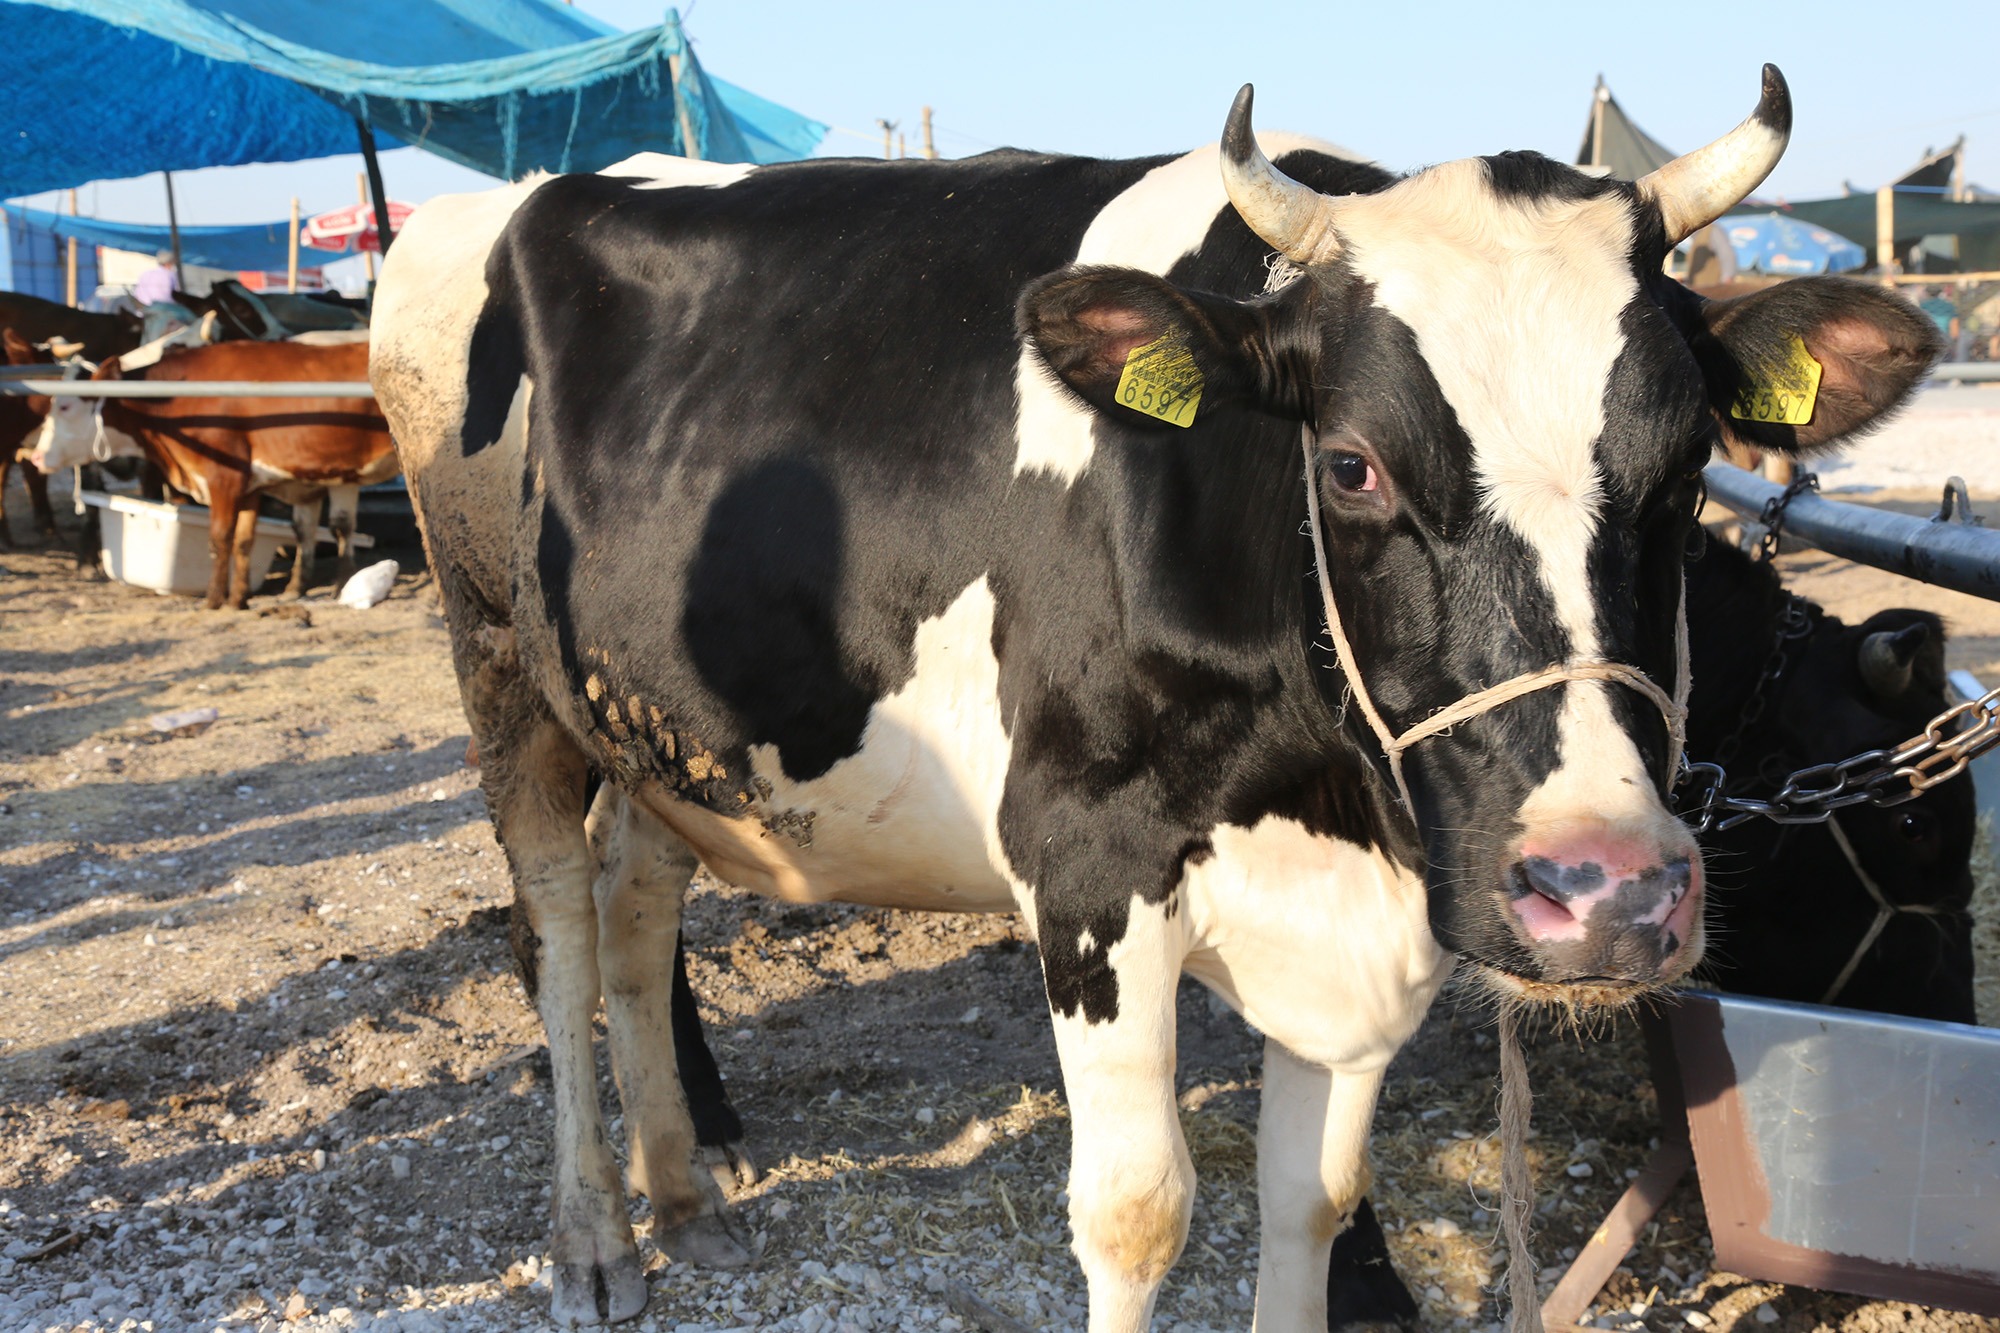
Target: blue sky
(1404, 84)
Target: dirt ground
(263, 1058)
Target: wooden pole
(69, 279)
(1597, 123)
(690, 142)
(930, 148)
(1885, 230)
(292, 251)
(383, 231)
(174, 233)
(888, 129)
(367, 257)
(902, 146)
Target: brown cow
(20, 423)
(227, 452)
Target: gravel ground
(264, 1062)
(1947, 429)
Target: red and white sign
(351, 228)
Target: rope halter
(1673, 709)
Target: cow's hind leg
(1131, 1182)
(305, 528)
(1312, 1171)
(533, 777)
(1363, 1292)
(342, 503)
(646, 872)
(718, 1130)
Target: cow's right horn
(1888, 660)
(1291, 218)
(1696, 188)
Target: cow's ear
(109, 369)
(1188, 352)
(1759, 354)
(20, 352)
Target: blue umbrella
(1785, 247)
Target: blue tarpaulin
(105, 89)
(1786, 247)
(259, 246)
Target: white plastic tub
(150, 544)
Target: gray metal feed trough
(1837, 1149)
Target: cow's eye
(1351, 472)
(1915, 825)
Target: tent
(105, 89)
(261, 246)
(1612, 140)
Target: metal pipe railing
(1966, 372)
(1952, 555)
(190, 388)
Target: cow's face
(74, 428)
(1506, 409)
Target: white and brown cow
(818, 509)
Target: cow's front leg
(1131, 1183)
(646, 872)
(1312, 1171)
(239, 554)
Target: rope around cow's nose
(1673, 709)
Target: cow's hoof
(598, 1293)
(708, 1240)
(732, 1166)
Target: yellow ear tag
(1789, 402)
(1162, 380)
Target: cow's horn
(1887, 660)
(1696, 188)
(1291, 218)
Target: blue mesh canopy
(105, 89)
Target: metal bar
(1615, 1237)
(1950, 555)
(1967, 370)
(383, 232)
(190, 388)
(30, 372)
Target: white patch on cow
(1320, 944)
(263, 475)
(937, 747)
(1515, 307)
(1131, 1184)
(1161, 218)
(664, 171)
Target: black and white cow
(801, 504)
(1778, 685)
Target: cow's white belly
(911, 820)
(1318, 943)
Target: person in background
(158, 283)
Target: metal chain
(1772, 518)
(1948, 742)
(1794, 623)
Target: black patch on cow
(1524, 176)
(763, 612)
(493, 364)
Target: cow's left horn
(1696, 188)
(1293, 219)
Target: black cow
(37, 321)
(930, 535)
